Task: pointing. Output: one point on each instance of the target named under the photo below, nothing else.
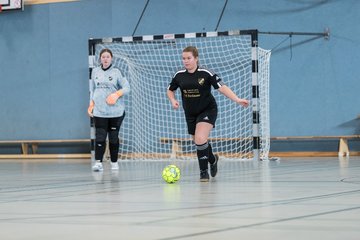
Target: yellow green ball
(171, 174)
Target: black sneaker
(213, 167)
(204, 176)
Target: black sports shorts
(209, 116)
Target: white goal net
(153, 130)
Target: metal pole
(222, 12)
(139, 20)
(326, 33)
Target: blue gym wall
(44, 59)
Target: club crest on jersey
(110, 78)
(201, 81)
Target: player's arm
(91, 108)
(171, 95)
(226, 91)
(92, 89)
(125, 89)
(112, 98)
(171, 92)
(125, 86)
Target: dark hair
(106, 50)
(193, 50)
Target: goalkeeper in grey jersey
(200, 106)
(107, 88)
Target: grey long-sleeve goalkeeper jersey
(102, 84)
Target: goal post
(153, 130)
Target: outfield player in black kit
(200, 106)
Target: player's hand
(112, 98)
(243, 102)
(175, 104)
(90, 110)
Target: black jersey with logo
(196, 89)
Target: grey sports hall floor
(294, 198)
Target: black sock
(203, 155)
(211, 155)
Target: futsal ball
(171, 174)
